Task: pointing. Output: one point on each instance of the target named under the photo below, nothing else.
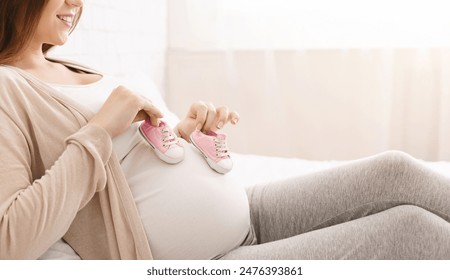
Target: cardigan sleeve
(35, 213)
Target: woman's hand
(122, 108)
(205, 117)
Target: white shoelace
(221, 148)
(168, 138)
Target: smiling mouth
(67, 19)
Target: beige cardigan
(59, 177)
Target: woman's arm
(35, 213)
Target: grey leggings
(388, 206)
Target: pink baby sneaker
(163, 141)
(213, 146)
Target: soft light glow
(288, 24)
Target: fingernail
(220, 125)
(234, 121)
(199, 126)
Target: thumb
(199, 125)
(142, 115)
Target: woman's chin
(61, 40)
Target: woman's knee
(395, 157)
(394, 162)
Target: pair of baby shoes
(168, 147)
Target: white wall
(304, 24)
(320, 79)
(124, 38)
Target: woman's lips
(67, 19)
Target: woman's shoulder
(10, 75)
(11, 88)
(15, 85)
(7, 71)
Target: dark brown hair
(18, 22)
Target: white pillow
(60, 251)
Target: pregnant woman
(76, 175)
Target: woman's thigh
(337, 195)
(402, 232)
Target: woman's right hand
(122, 108)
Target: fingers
(210, 122)
(234, 117)
(148, 110)
(221, 117)
(123, 107)
(199, 112)
(210, 118)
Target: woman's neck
(32, 58)
(35, 62)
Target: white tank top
(188, 210)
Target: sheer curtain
(317, 79)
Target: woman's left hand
(205, 117)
